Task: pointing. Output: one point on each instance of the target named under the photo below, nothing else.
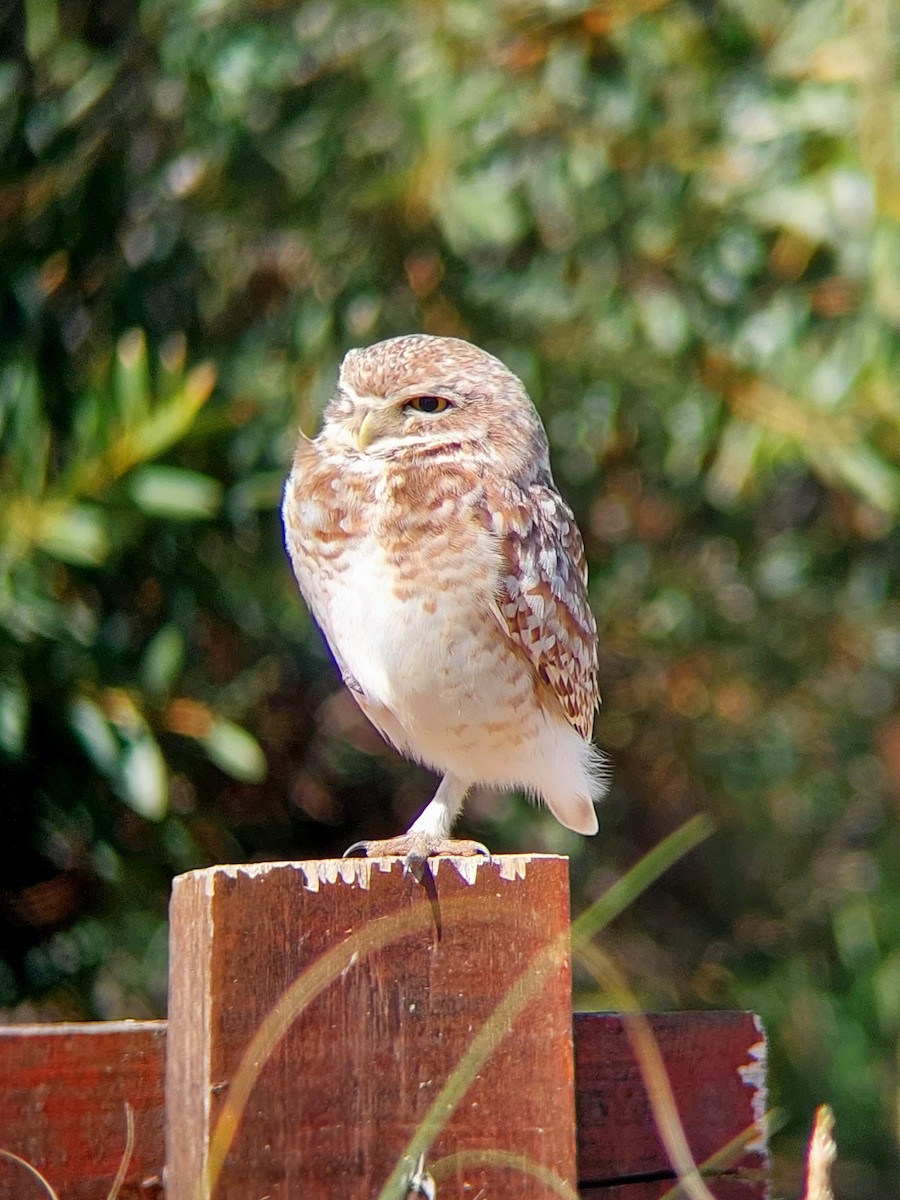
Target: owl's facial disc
(399, 420)
(376, 422)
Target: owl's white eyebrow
(355, 396)
(405, 394)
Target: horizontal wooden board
(63, 1091)
(715, 1063)
(722, 1187)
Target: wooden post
(331, 1022)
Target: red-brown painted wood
(348, 1085)
(716, 1065)
(350, 1070)
(722, 1187)
(63, 1090)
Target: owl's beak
(367, 431)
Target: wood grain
(338, 1097)
(63, 1090)
(716, 1065)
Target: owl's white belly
(425, 658)
(406, 653)
(409, 611)
(442, 683)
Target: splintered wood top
(359, 996)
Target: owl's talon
(357, 850)
(480, 848)
(416, 865)
(415, 849)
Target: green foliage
(680, 223)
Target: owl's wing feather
(542, 604)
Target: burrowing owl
(448, 576)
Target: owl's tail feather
(574, 787)
(575, 812)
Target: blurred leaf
(865, 472)
(13, 715)
(41, 26)
(481, 210)
(263, 490)
(163, 660)
(74, 533)
(28, 435)
(235, 751)
(142, 779)
(95, 734)
(175, 493)
(132, 380)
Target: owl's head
(424, 393)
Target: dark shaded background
(679, 223)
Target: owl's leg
(436, 819)
(427, 836)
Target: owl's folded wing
(542, 603)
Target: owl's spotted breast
(382, 561)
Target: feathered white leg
(436, 819)
(428, 834)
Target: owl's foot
(415, 849)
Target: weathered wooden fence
(334, 1026)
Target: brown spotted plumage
(449, 578)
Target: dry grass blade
(483, 1044)
(727, 1156)
(120, 1173)
(653, 1072)
(126, 1154)
(321, 974)
(821, 1156)
(642, 875)
(508, 1160)
(32, 1170)
(378, 933)
(596, 918)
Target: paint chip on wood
(753, 1074)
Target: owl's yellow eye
(428, 404)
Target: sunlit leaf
(75, 533)
(235, 751)
(866, 472)
(175, 493)
(142, 778)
